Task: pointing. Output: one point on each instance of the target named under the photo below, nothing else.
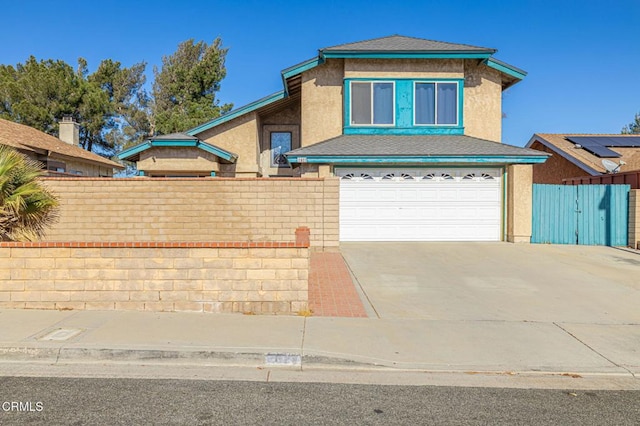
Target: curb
(278, 360)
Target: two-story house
(411, 127)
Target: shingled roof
(418, 145)
(398, 43)
(560, 144)
(28, 139)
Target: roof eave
(133, 153)
(407, 54)
(420, 159)
(106, 163)
(238, 112)
(560, 152)
(506, 68)
(301, 67)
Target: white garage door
(416, 204)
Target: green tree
(128, 121)
(27, 208)
(184, 90)
(37, 93)
(633, 127)
(110, 104)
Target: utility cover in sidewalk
(62, 334)
(282, 359)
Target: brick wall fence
(179, 210)
(634, 218)
(204, 245)
(229, 277)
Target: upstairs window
(372, 103)
(436, 104)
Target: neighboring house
(411, 126)
(58, 156)
(577, 155)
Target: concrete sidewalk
(308, 342)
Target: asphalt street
(136, 401)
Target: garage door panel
(442, 205)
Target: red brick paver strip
(332, 292)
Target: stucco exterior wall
(266, 168)
(634, 218)
(287, 115)
(87, 169)
(195, 210)
(249, 280)
(321, 103)
(403, 68)
(186, 159)
(239, 136)
(519, 203)
(555, 168)
(482, 102)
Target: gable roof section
(398, 43)
(267, 100)
(418, 149)
(505, 68)
(590, 163)
(390, 47)
(175, 140)
(27, 138)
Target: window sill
(421, 130)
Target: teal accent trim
(298, 69)
(134, 150)
(405, 55)
(131, 152)
(404, 109)
(301, 67)
(140, 172)
(347, 102)
(168, 142)
(213, 174)
(461, 103)
(418, 130)
(217, 151)
(238, 112)
(404, 103)
(417, 159)
(404, 79)
(506, 68)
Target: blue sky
(583, 57)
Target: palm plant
(27, 207)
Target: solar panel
(601, 151)
(597, 145)
(621, 141)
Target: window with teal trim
(372, 103)
(403, 106)
(436, 103)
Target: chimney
(69, 131)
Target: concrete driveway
(493, 306)
(498, 281)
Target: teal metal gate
(580, 214)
